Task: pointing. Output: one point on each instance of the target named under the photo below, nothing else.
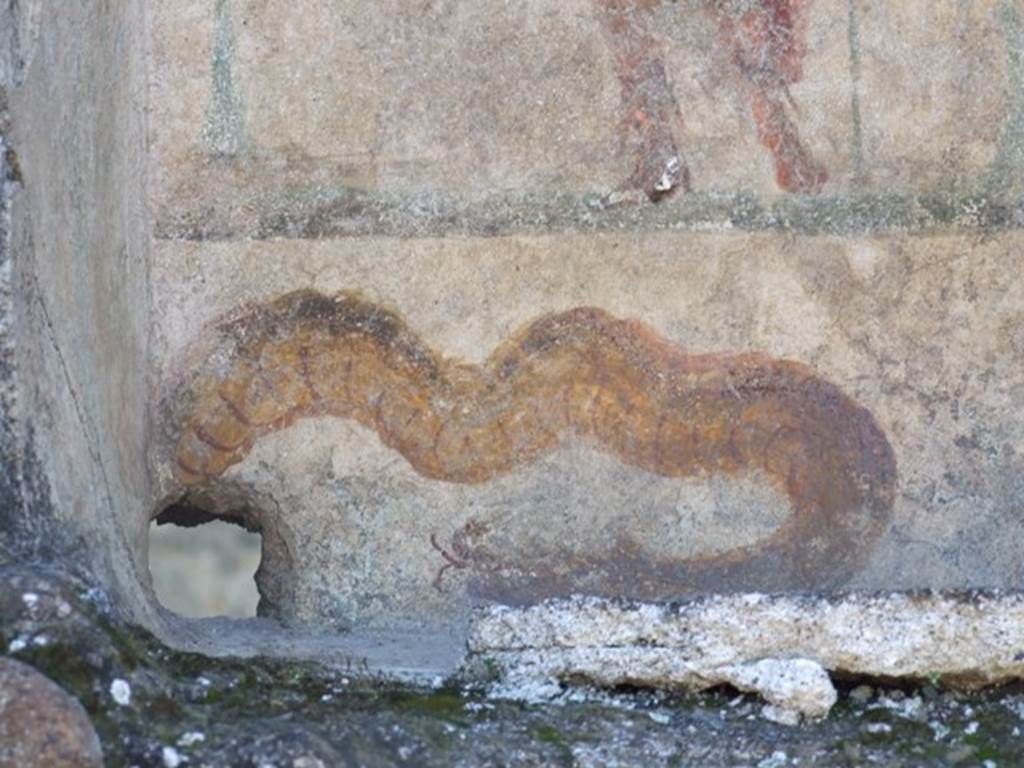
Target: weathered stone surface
(216, 712)
(40, 724)
(10, 450)
(644, 299)
(79, 268)
(793, 687)
(800, 685)
(778, 646)
(696, 296)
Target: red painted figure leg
(767, 44)
(651, 116)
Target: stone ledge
(779, 646)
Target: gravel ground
(155, 707)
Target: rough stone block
(41, 725)
(780, 646)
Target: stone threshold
(786, 648)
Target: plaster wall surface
(923, 331)
(464, 302)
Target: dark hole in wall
(204, 564)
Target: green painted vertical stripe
(1007, 172)
(857, 140)
(224, 131)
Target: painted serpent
(615, 383)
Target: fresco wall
(472, 302)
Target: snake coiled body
(615, 383)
